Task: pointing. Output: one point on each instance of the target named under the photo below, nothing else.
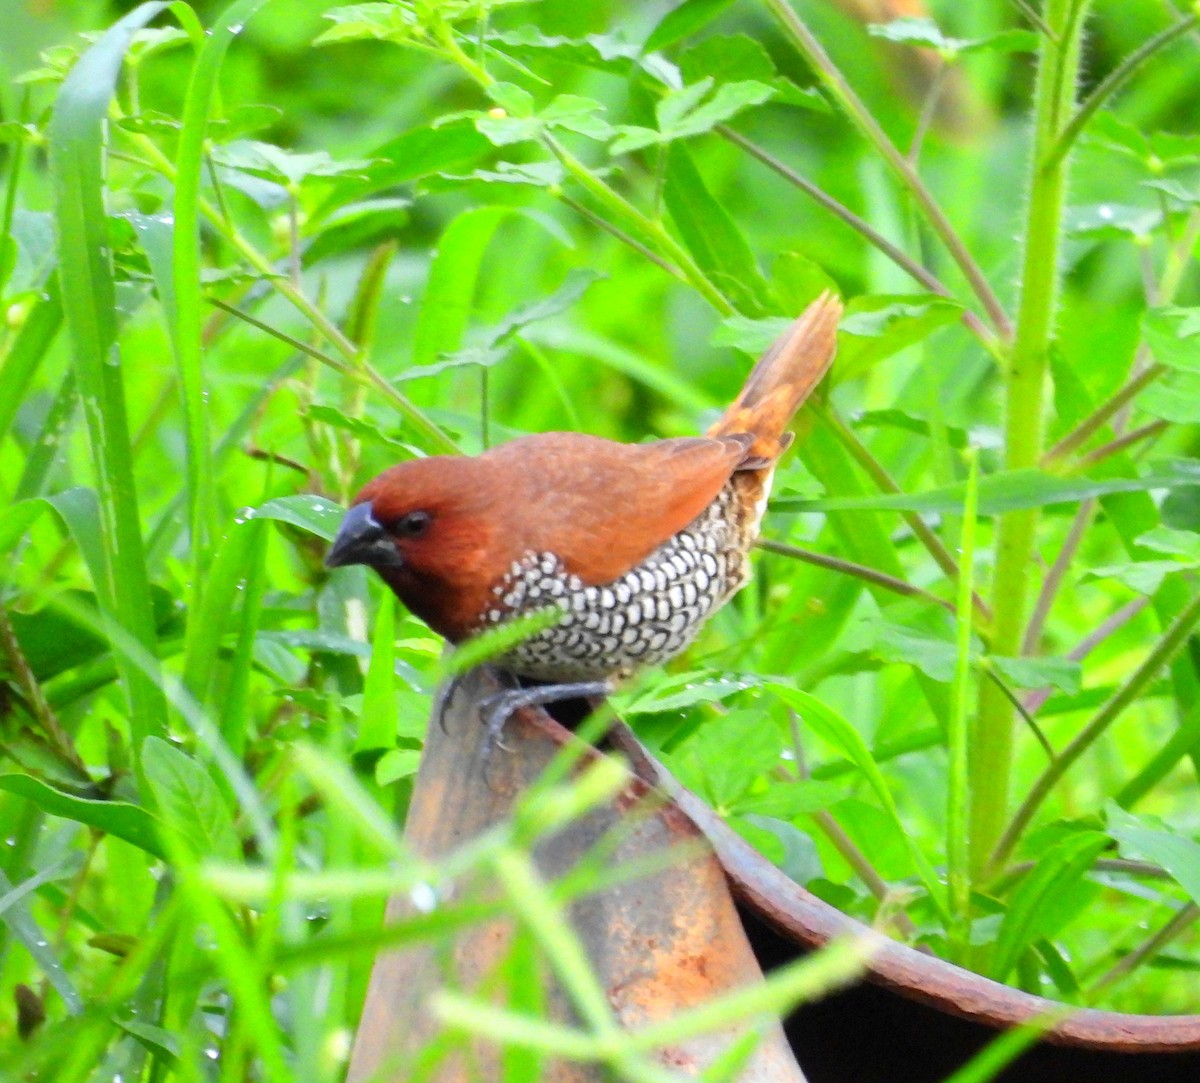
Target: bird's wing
(603, 507)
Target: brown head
(429, 528)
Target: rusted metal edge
(811, 922)
(660, 943)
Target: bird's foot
(496, 709)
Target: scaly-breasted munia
(636, 544)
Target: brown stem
(902, 260)
(858, 571)
(1182, 920)
(35, 699)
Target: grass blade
(89, 304)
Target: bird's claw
(497, 709)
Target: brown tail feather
(781, 381)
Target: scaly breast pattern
(646, 616)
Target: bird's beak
(361, 540)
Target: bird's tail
(781, 381)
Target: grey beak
(361, 540)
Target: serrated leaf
(1175, 397)
(1173, 335)
(189, 802)
(288, 168)
(920, 30)
(1165, 539)
(1111, 220)
(877, 327)
(1142, 576)
(685, 112)
(370, 22)
(1061, 673)
(1188, 195)
(359, 427)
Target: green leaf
(737, 57)
(494, 347)
(514, 99)
(1170, 850)
(118, 818)
(371, 22)
(77, 132)
(685, 112)
(683, 21)
(567, 112)
(397, 764)
(288, 168)
(724, 761)
(874, 328)
(189, 802)
(377, 719)
(791, 800)
(1188, 195)
(711, 235)
(1173, 335)
(312, 513)
(1008, 490)
(1165, 539)
(920, 30)
(1142, 576)
(446, 307)
(1111, 221)
(358, 427)
(1035, 909)
(1061, 673)
(837, 732)
(1176, 397)
(679, 691)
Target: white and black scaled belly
(647, 616)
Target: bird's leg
(496, 709)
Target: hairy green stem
(992, 739)
(1113, 82)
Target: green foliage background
(397, 257)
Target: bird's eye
(412, 525)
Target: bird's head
(428, 527)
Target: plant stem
(1176, 636)
(958, 857)
(1149, 947)
(1113, 82)
(900, 258)
(992, 740)
(813, 52)
(876, 471)
(1103, 413)
(858, 571)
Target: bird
(628, 549)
